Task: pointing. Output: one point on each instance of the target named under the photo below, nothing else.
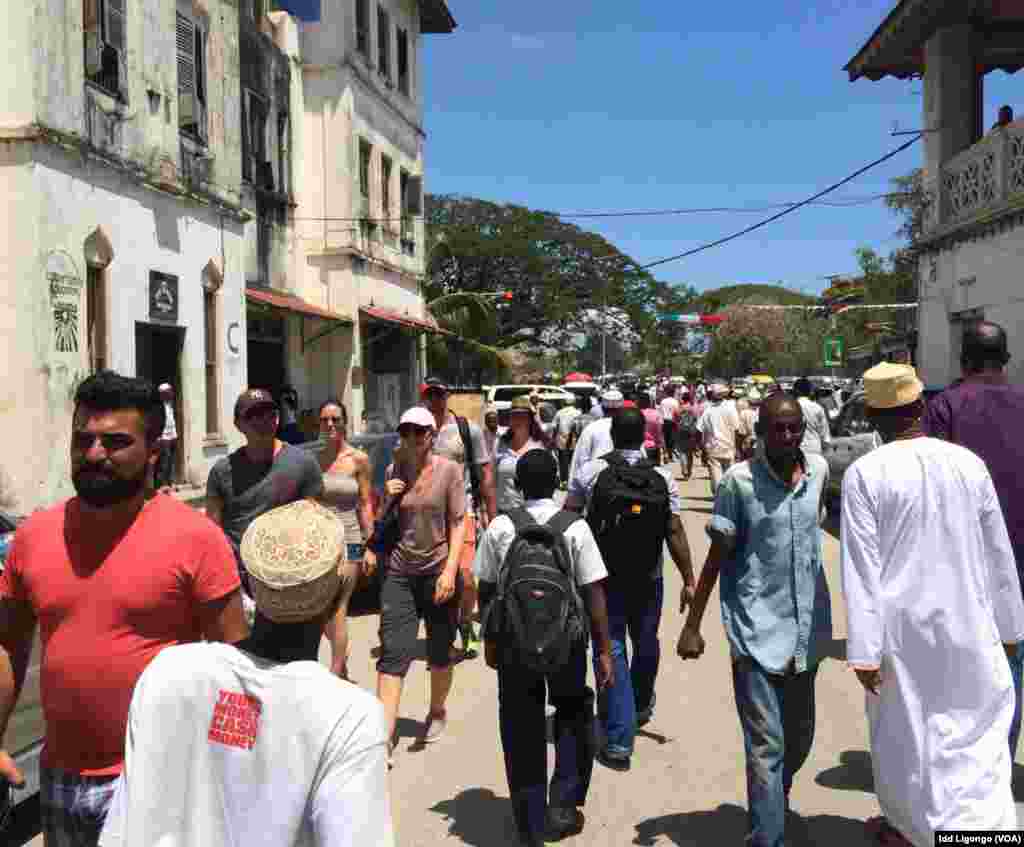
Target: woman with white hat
(420, 580)
(523, 434)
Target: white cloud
(512, 40)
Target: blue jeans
(521, 700)
(634, 608)
(777, 715)
(1017, 671)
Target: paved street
(686, 786)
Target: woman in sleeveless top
(347, 493)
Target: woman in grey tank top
(347, 493)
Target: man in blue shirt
(766, 543)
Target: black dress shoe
(615, 761)
(562, 822)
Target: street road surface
(687, 783)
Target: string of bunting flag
(838, 308)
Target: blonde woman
(347, 493)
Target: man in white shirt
(668, 408)
(165, 469)
(933, 600)
(251, 744)
(722, 431)
(817, 433)
(521, 692)
(596, 439)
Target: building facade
(122, 244)
(973, 174)
(359, 194)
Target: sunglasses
(332, 420)
(259, 412)
(112, 441)
(414, 429)
(783, 428)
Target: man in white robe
(933, 600)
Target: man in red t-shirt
(111, 579)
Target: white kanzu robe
(931, 592)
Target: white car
(501, 396)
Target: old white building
(121, 243)
(970, 255)
(358, 185)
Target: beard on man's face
(99, 487)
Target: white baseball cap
(612, 399)
(418, 416)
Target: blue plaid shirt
(776, 607)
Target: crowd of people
(184, 703)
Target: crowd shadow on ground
(728, 825)
(853, 773)
(480, 818)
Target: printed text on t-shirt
(236, 720)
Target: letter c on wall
(234, 338)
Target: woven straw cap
(293, 555)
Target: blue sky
(592, 105)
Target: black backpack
(629, 513)
(536, 615)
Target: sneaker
(614, 761)
(561, 823)
(434, 728)
(643, 717)
(470, 643)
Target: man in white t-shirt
(668, 408)
(250, 743)
(164, 473)
(817, 434)
(521, 692)
(596, 438)
(722, 431)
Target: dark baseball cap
(253, 398)
(435, 383)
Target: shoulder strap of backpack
(474, 471)
(521, 519)
(561, 520)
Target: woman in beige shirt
(421, 573)
(347, 493)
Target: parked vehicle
(26, 730)
(501, 396)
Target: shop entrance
(158, 359)
(265, 348)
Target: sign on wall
(833, 353)
(65, 302)
(389, 396)
(163, 297)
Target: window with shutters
(191, 78)
(402, 55)
(365, 152)
(96, 317)
(384, 44)
(255, 112)
(363, 27)
(283, 154)
(103, 24)
(210, 340)
(385, 190)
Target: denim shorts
(355, 552)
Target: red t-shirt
(106, 607)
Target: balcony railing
(983, 180)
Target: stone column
(952, 94)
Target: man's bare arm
(17, 631)
(224, 619)
(488, 490)
(215, 510)
(679, 548)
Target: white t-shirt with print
(667, 408)
(587, 564)
(225, 748)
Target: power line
(786, 211)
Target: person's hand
(394, 487)
(604, 671)
(444, 588)
(491, 654)
(484, 519)
(691, 644)
(686, 596)
(871, 680)
(369, 562)
(9, 770)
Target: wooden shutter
(186, 73)
(199, 57)
(115, 37)
(415, 195)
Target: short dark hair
(773, 404)
(537, 474)
(333, 401)
(803, 387)
(107, 391)
(984, 346)
(628, 427)
(643, 400)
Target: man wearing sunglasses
(766, 543)
(260, 476)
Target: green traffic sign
(833, 353)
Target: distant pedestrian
(688, 435)
(817, 435)
(491, 430)
(776, 609)
(166, 465)
(461, 441)
(523, 435)
(721, 433)
(596, 439)
(668, 408)
(348, 494)
(748, 419)
(632, 508)
(654, 437)
(261, 475)
(420, 582)
(931, 590)
(523, 690)
(982, 412)
(564, 419)
(289, 431)
(252, 743)
(111, 579)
